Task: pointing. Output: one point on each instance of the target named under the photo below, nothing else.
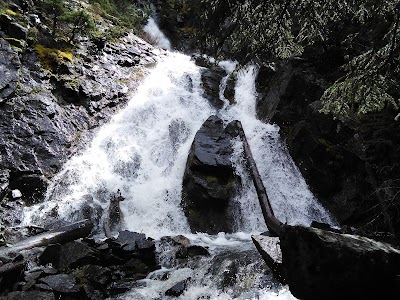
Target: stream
(142, 153)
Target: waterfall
(142, 154)
(156, 36)
(290, 197)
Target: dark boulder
(32, 185)
(98, 276)
(178, 289)
(12, 28)
(69, 255)
(210, 182)
(76, 253)
(51, 255)
(212, 76)
(321, 264)
(196, 250)
(61, 283)
(130, 240)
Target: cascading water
(142, 153)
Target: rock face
(320, 264)
(210, 182)
(211, 77)
(50, 105)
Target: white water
(156, 36)
(142, 152)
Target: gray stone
(62, 283)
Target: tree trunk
(273, 224)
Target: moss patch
(51, 58)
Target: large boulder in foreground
(320, 264)
(210, 182)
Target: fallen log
(273, 224)
(60, 235)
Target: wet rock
(211, 80)
(97, 275)
(181, 240)
(61, 283)
(196, 250)
(178, 289)
(51, 255)
(39, 127)
(32, 186)
(12, 28)
(209, 182)
(22, 295)
(42, 287)
(335, 266)
(9, 66)
(120, 287)
(132, 241)
(30, 276)
(69, 255)
(76, 253)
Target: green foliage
(80, 21)
(55, 9)
(366, 32)
(122, 12)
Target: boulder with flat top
(210, 182)
(320, 264)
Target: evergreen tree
(367, 33)
(56, 9)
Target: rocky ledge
(76, 269)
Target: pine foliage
(367, 33)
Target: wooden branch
(61, 235)
(273, 224)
